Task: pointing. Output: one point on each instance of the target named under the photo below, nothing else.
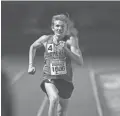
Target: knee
(54, 99)
(61, 111)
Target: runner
(60, 48)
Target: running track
(28, 95)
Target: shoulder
(40, 41)
(43, 38)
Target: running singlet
(57, 63)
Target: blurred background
(23, 22)
(98, 24)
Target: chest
(52, 48)
(55, 49)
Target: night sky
(98, 24)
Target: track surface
(28, 95)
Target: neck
(57, 37)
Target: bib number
(50, 48)
(58, 67)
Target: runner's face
(59, 28)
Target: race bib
(58, 67)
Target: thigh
(63, 105)
(51, 90)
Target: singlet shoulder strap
(50, 39)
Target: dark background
(98, 23)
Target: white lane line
(95, 91)
(18, 76)
(42, 107)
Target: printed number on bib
(50, 48)
(58, 67)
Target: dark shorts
(65, 88)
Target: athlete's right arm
(32, 51)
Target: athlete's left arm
(74, 52)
